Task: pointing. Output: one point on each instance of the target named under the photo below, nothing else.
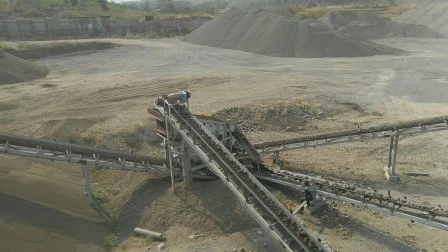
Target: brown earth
(101, 98)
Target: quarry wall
(87, 27)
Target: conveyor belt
(74, 149)
(351, 193)
(283, 227)
(360, 134)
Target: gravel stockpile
(432, 14)
(368, 25)
(275, 117)
(264, 32)
(13, 69)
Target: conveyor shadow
(132, 211)
(14, 209)
(225, 211)
(222, 207)
(332, 219)
(422, 187)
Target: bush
(101, 195)
(110, 241)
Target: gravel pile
(14, 70)
(432, 14)
(283, 117)
(368, 25)
(265, 32)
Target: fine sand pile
(264, 32)
(368, 25)
(432, 14)
(13, 69)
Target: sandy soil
(99, 97)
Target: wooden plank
(416, 174)
(300, 207)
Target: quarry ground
(101, 97)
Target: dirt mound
(14, 70)
(39, 51)
(264, 32)
(273, 117)
(197, 208)
(433, 15)
(368, 25)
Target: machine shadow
(133, 209)
(226, 212)
(328, 221)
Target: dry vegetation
(389, 12)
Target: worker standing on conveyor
(178, 98)
(310, 193)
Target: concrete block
(391, 178)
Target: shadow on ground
(133, 210)
(332, 219)
(13, 209)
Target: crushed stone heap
(14, 70)
(368, 25)
(268, 33)
(432, 14)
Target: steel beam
(88, 186)
(186, 163)
(168, 146)
(393, 152)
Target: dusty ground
(101, 98)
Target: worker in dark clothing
(310, 193)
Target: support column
(229, 133)
(168, 144)
(186, 163)
(277, 160)
(393, 151)
(88, 186)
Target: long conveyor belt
(351, 193)
(360, 134)
(273, 216)
(75, 149)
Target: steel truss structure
(392, 131)
(271, 215)
(84, 156)
(409, 128)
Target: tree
(74, 3)
(15, 4)
(170, 8)
(51, 3)
(103, 5)
(146, 6)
